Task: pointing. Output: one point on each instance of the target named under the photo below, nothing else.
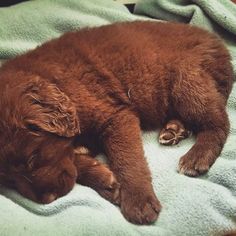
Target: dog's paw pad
(173, 133)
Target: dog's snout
(48, 198)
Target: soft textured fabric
(191, 206)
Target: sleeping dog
(106, 84)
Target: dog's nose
(48, 198)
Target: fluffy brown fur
(106, 83)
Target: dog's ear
(50, 109)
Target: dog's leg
(210, 140)
(200, 104)
(123, 146)
(96, 175)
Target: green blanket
(191, 206)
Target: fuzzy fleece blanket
(191, 206)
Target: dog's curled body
(109, 81)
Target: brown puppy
(107, 82)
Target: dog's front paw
(139, 206)
(99, 177)
(108, 186)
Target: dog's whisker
(29, 180)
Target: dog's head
(37, 123)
